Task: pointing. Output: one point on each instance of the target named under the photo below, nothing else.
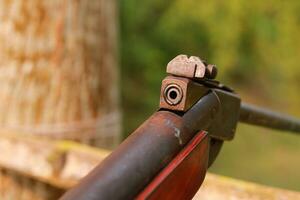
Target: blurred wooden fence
(58, 81)
(14, 186)
(38, 169)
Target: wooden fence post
(58, 69)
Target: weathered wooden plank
(66, 162)
(59, 163)
(14, 186)
(218, 188)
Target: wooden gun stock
(184, 175)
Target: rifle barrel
(262, 117)
(132, 166)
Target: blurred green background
(256, 46)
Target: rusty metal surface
(144, 153)
(262, 117)
(187, 90)
(180, 94)
(191, 67)
(187, 93)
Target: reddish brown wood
(184, 175)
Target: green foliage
(255, 44)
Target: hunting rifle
(168, 155)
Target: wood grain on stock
(79, 159)
(186, 170)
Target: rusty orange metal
(179, 93)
